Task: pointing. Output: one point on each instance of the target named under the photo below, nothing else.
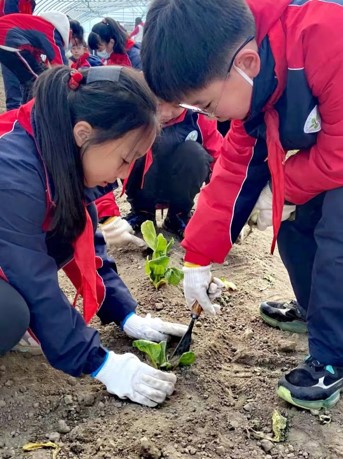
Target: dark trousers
(21, 71)
(311, 248)
(173, 180)
(12, 88)
(14, 317)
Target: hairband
(105, 73)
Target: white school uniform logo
(313, 122)
(192, 136)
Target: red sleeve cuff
(197, 259)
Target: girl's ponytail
(56, 143)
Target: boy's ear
(249, 61)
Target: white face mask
(103, 54)
(244, 75)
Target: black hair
(76, 30)
(138, 21)
(111, 108)
(187, 44)
(106, 30)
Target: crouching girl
(76, 137)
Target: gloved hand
(152, 328)
(127, 377)
(119, 232)
(262, 213)
(199, 285)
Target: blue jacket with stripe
(30, 257)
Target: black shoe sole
(296, 326)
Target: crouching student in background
(48, 223)
(25, 38)
(80, 57)
(11, 82)
(170, 176)
(113, 45)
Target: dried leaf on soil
(47, 445)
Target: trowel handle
(196, 310)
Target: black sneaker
(176, 223)
(137, 218)
(286, 316)
(312, 385)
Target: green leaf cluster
(157, 355)
(157, 266)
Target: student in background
(169, 177)
(11, 83)
(30, 37)
(113, 45)
(137, 33)
(81, 58)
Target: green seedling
(157, 355)
(157, 266)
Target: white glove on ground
(199, 285)
(127, 377)
(152, 328)
(264, 210)
(119, 232)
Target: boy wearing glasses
(274, 69)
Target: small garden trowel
(185, 342)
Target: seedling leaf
(187, 358)
(161, 244)
(149, 234)
(157, 355)
(152, 350)
(174, 276)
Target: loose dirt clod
(149, 450)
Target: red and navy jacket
(188, 126)
(297, 104)
(35, 34)
(86, 61)
(16, 6)
(30, 254)
(132, 57)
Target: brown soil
(218, 403)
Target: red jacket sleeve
(208, 234)
(323, 163)
(212, 138)
(134, 32)
(107, 206)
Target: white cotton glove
(119, 232)
(262, 213)
(127, 377)
(199, 285)
(152, 328)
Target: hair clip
(75, 79)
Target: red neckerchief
(82, 62)
(276, 153)
(119, 59)
(84, 251)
